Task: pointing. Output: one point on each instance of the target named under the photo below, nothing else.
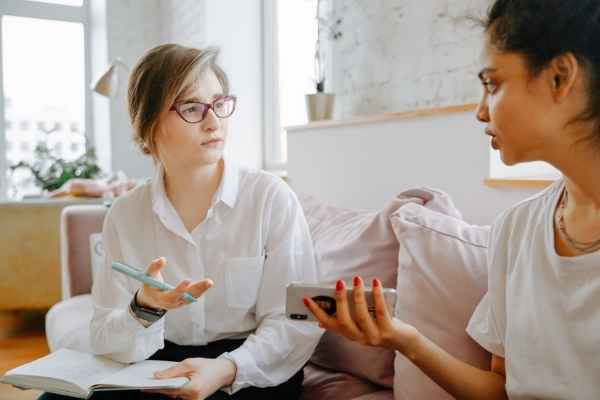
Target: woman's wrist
(229, 371)
(142, 301)
(410, 343)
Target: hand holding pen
(164, 296)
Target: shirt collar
(229, 183)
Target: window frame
(272, 143)
(54, 12)
(272, 127)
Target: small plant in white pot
(319, 105)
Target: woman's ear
(563, 72)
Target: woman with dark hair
(541, 316)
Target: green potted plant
(51, 172)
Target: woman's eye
(190, 110)
(490, 87)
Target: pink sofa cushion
(360, 242)
(324, 384)
(442, 275)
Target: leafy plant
(334, 33)
(52, 172)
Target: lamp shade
(109, 82)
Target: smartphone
(324, 296)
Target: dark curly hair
(541, 30)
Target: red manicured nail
(305, 301)
(339, 285)
(375, 282)
(356, 281)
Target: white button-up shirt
(253, 242)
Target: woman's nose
(211, 122)
(483, 112)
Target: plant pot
(319, 106)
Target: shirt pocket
(242, 280)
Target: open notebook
(77, 374)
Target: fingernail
(339, 285)
(375, 282)
(356, 281)
(305, 301)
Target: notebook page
(141, 375)
(81, 369)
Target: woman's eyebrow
(484, 72)
(195, 99)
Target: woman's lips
(213, 142)
(495, 144)
(494, 141)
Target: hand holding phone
(324, 296)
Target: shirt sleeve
(114, 332)
(488, 323)
(279, 347)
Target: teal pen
(147, 279)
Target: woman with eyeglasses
(230, 236)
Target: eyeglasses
(194, 112)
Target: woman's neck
(192, 184)
(582, 179)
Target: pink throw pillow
(442, 276)
(351, 242)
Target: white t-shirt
(542, 311)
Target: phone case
(325, 296)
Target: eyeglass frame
(207, 107)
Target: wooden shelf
(518, 183)
(369, 119)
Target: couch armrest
(77, 223)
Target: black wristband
(147, 314)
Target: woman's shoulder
(532, 210)
(262, 180)
(264, 187)
(131, 200)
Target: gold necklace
(584, 247)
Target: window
(290, 36)
(43, 74)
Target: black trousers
(172, 352)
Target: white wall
(365, 165)
(137, 25)
(236, 27)
(398, 55)
(133, 26)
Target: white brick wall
(397, 55)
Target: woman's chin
(509, 159)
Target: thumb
(156, 265)
(172, 372)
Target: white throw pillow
(442, 275)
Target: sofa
(416, 232)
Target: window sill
(518, 183)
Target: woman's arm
(114, 331)
(458, 378)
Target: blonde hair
(159, 77)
